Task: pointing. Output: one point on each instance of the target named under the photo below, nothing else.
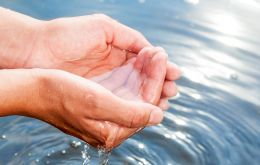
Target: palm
(79, 46)
(137, 80)
(89, 47)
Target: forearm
(17, 36)
(18, 92)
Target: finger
(164, 104)
(154, 68)
(169, 89)
(109, 134)
(126, 113)
(105, 132)
(124, 133)
(172, 71)
(143, 56)
(126, 38)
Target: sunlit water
(215, 119)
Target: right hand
(82, 108)
(92, 113)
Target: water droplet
(103, 155)
(196, 96)
(141, 146)
(49, 154)
(3, 137)
(47, 162)
(63, 152)
(37, 160)
(141, 1)
(85, 155)
(75, 144)
(15, 154)
(167, 136)
(29, 154)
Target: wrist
(18, 33)
(18, 92)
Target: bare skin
(140, 77)
(88, 47)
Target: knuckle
(162, 52)
(137, 33)
(138, 119)
(102, 16)
(162, 55)
(165, 55)
(146, 50)
(159, 48)
(91, 101)
(103, 19)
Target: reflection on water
(214, 119)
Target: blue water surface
(214, 120)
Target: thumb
(130, 113)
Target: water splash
(103, 155)
(86, 155)
(215, 117)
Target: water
(215, 119)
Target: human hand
(73, 104)
(88, 111)
(139, 79)
(89, 46)
(85, 49)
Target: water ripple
(215, 118)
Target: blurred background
(215, 118)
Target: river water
(214, 120)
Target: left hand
(89, 46)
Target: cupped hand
(88, 46)
(139, 80)
(82, 108)
(106, 116)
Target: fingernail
(156, 117)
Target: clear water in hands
(215, 119)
